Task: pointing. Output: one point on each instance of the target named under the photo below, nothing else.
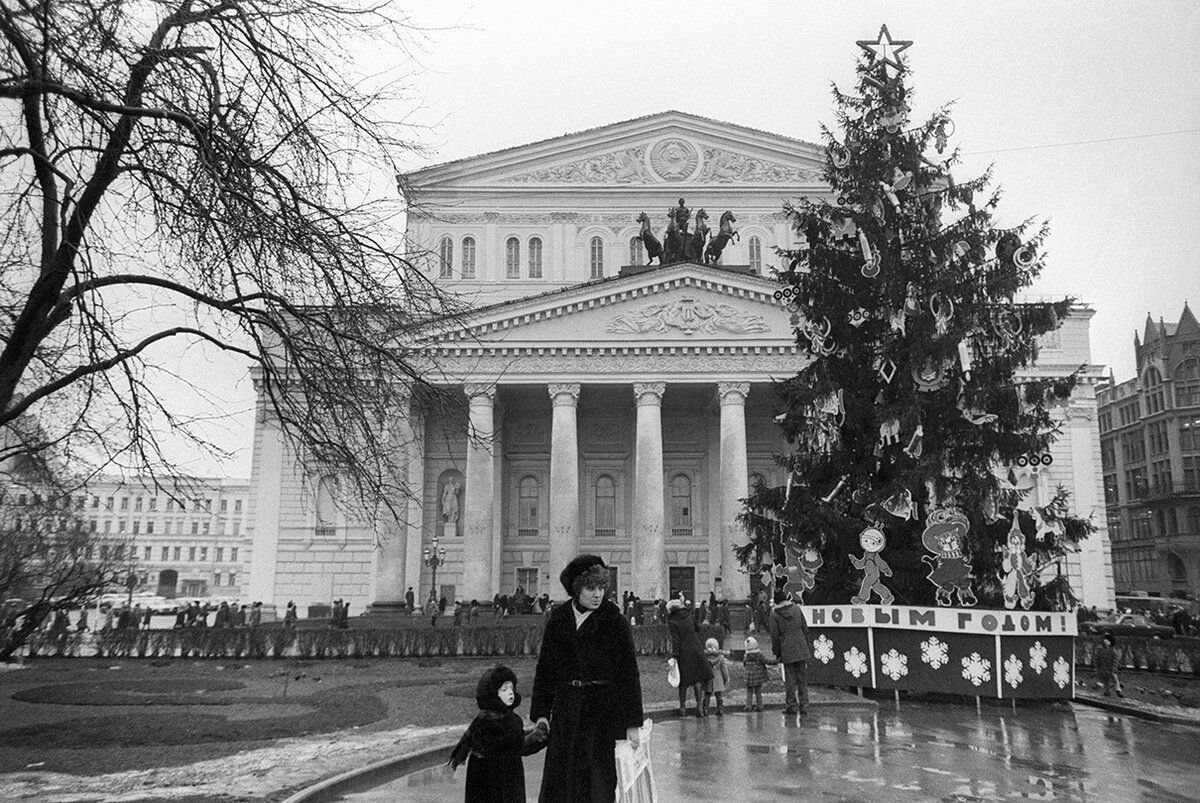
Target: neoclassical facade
(609, 408)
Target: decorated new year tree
(916, 431)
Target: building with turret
(1150, 454)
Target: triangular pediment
(684, 304)
(662, 150)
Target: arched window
(326, 507)
(512, 258)
(1187, 384)
(1152, 380)
(528, 492)
(597, 258)
(637, 251)
(606, 506)
(1176, 569)
(755, 250)
(446, 258)
(468, 259)
(535, 257)
(681, 505)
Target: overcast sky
(1090, 111)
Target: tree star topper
(885, 50)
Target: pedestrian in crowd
(290, 616)
(694, 670)
(59, 627)
(256, 614)
(473, 612)
(222, 620)
(82, 625)
(495, 742)
(335, 614)
(180, 617)
(344, 618)
(1105, 662)
(193, 613)
(639, 612)
(136, 616)
(239, 618)
(201, 615)
(1181, 621)
(431, 609)
(586, 690)
(716, 685)
(702, 614)
(409, 599)
(755, 665)
(546, 606)
(660, 611)
(723, 615)
(147, 613)
(443, 603)
(458, 613)
(497, 607)
(789, 642)
(124, 618)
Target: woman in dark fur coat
(495, 742)
(586, 689)
(694, 670)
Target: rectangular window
(217, 579)
(178, 551)
(237, 505)
(192, 553)
(149, 528)
(446, 258)
(1191, 472)
(527, 579)
(196, 505)
(205, 528)
(233, 553)
(124, 503)
(119, 552)
(92, 525)
(108, 525)
(203, 553)
(468, 258)
(80, 501)
(596, 258)
(1160, 476)
(137, 503)
(121, 526)
(1108, 456)
(137, 526)
(95, 502)
(146, 552)
(232, 579)
(682, 580)
(512, 258)
(195, 528)
(108, 503)
(154, 503)
(219, 554)
(224, 505)
(237, 525)
(167, 527)
(164, 553)
(208, 506)
(104, 552)
(1111, 496)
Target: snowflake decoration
(1037, 657)
(934, 652)
(823, 649)
(894, 665)
(1062, 672)
(1012, 671)
(977, 669)
(856, 662)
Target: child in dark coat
(755, 664)
(1106, 666)
(495, 742)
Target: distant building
(1150, 453)
(188, 536)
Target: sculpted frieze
(689, 315)
(722, 166)
(571, 365)
(626, 166)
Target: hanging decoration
(884, 52)
(990, 514)
(942, 134)
(799, 574)
(858, 317)
(975, 415)
(1016, 569)
(889, 432)
(932, 376)
(945, 532)
(887, 369)
(1007, 325)
(912, 300)
(1024, 256)
(873, 567)
(897, 321)
(965, 359)
(839, 156)
(842, 228)
(917, 444)
(900, 505)
(1047, 526)
(943, 311)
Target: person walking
(789, 641)
(587, 692)
(1106, 665)
(409, 599)
(694, 670)
(720, 675)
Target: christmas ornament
(887, 369)
(839, 156)
(1024, 256)
(990, 514)
(901, 505)
(894, 119)
(1007, 325)
(975, 415)
(799, 573)
(884, 51)
(943, 132)
(917, 444)
(943, 311)
(1044, 459)
(1047, 526)
(1007, 246)
(889, 432)
(932, 376)
(870, 268)
(842, 228)
(897, 321)
(960, 249)
(858, 317)
(900, 182)
(965, 359)
(912, 302)
(945, 531)
(1016, 569)
(864, 245)
(873, 567)
(837, 489)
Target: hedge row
(1180, 655)
(280, 642)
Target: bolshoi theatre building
(611, 407)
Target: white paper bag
(635, 776)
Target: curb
(1135, 711)
(333, 788)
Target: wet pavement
(923, 751)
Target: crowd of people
(1174, 616)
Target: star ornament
(885, 50)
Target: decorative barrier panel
(984, 653)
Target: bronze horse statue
(654, 248)
(672, 244)
(726, 233)
(693, 249)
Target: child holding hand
(720, 675)
(495, 742)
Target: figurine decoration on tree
(1018, 568)
(904, 292)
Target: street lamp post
(434, 557)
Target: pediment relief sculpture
(722, 166)
(689, 315)
(619, 167)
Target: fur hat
(576, 567)
(711, 645)
(751, 644)
(487, 693)
(782, 596)
(674, 604)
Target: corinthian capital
(480, 392)
(564, 395)
(733, 392)
(649, 392)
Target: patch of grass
(133, 692)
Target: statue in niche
(450, 501)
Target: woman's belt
(587, 683)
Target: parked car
(1127, 624)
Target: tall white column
(480, 499)
(735, 480)
(649, 519)
(391, 526)
(564, 476)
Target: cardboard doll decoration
(873, 567)
(945, 531)
(801, 569)
(1016, 569)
